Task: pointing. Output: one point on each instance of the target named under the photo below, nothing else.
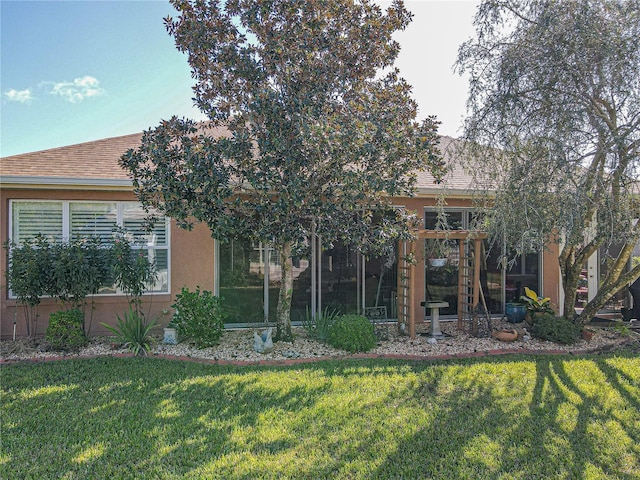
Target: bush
(133, 331)
(555, 329)
(320, 325)
(199, 317)
(353, 333)
(65, 330)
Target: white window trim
(66, 235)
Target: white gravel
(237, 345)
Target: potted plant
(436, 251)
(535, 305)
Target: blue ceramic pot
(515, 312)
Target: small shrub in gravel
(133, 331)
(66, 330)
(199, 317)
(353, 333)
(319, 326)
(555, 329)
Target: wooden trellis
(411, 264)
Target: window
(31, 218)
(60, 220)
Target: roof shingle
(98, 160)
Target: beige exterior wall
(191, 265)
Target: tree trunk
(570, 277)
(283, 321)
(616, 280)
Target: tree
(554, 115)
(310, 127)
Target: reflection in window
(246, 268)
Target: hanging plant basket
(438, 262)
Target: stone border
(300, 361)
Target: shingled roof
(95, 165)
(91, 163)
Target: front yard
(517, 417)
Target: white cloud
(20, 96)
(79, 89)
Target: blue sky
(76, 71)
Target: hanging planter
(436, 250)
(438, 262)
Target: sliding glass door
(347, 282)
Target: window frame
(120, 221)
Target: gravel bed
(237, 345)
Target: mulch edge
(300, 361)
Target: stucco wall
(191, 265)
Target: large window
(250, 282)
(340, 279)
(61, 220)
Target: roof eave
(23, 182)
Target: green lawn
(520, 417)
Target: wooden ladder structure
(468, 282)
(405, 277)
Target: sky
(77, 71)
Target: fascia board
(11, 181)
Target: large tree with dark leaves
(310, 127)
(554, 92)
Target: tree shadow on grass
(545, 431)
(150, 418)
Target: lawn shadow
(528, 417)
(475, 433)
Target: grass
(135, 418)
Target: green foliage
(300, 104)
(132, 272)
(353, 333)
(536, 304)
(78, 268)
(68, 271)
(320, 325)
(29, 265)
(66, 330)
(555, 329)
(133, 331)
(553, 133)
(622, 329)
(27, 271)
(199, 316)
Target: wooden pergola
(411, 274)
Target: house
(81, 189)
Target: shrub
(65, 330)
(320, 325)
(131, 269)
(353, 333)
(68, 271)
(29, 276)
(199, 317)
(555, 329)
(133, 331)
